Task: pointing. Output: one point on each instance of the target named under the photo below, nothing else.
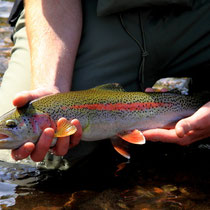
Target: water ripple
(5, 8)
(7, 194)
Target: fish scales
(84, 105)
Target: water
(5, 8)
(158, 176)
(5, 32)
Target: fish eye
(11, 123)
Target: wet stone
(85, 200)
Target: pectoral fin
(64, 128)
(134, 137)
(122, 147)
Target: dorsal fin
(110, 86)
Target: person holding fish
(77, 45)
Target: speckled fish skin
(103, 112)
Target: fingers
(167, 136)
(163, 135)
(43, 145)
(200, 120)
(151, 90)
(62, 146)
(64, 143)
(75, 139)
(24, 97)
(39, 151)
(184, 126)
(23, 152)
(170, 136)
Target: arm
(54, 32)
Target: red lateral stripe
(121, 106)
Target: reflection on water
(13, 175)
(5, 8)
(7, 194)
(157, 177)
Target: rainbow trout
(105, 111)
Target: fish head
(19, 126)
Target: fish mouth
(7, 142)
(4, 138)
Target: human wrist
(47, 90)
(54, 86)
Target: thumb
(198, 121)
(24, 97)
(185, 125)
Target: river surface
(5, 31)
(158, 176)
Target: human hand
(38, 151)
(186, 131)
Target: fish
(105, 112)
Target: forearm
(54, 31)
